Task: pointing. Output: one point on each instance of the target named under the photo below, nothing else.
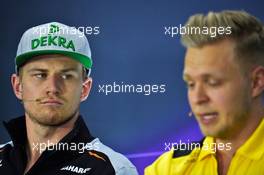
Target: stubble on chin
(51, 121)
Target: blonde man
(224, 73)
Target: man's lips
(51, 102)
(207, 118)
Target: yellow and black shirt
(248, 159)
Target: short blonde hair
(246, 30)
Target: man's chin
(53, 121)
(210, 132)
(214, 133)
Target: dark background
(130, 48)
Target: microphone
(190, 114)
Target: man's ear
(257, 81)
(17, 86)
(86, 87)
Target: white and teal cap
(54, 38)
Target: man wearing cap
(224, 74)
(53, 64)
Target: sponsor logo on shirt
(75, 169)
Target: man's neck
(39, 137)
(241, 135)
(224, 157)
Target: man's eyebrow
(46, 70)
(185, 76)
(69, 70)
(37, 70)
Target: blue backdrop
(131, 48)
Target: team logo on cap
(53, 28)
(52, 40)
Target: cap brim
(84, 60)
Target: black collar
(18, 133)
(49, 158)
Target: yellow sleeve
(161, 166)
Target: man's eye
(189, 85)
(66, 76)
(213, 82)
(40, 75)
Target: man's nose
(198, 95)
(54, 85)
